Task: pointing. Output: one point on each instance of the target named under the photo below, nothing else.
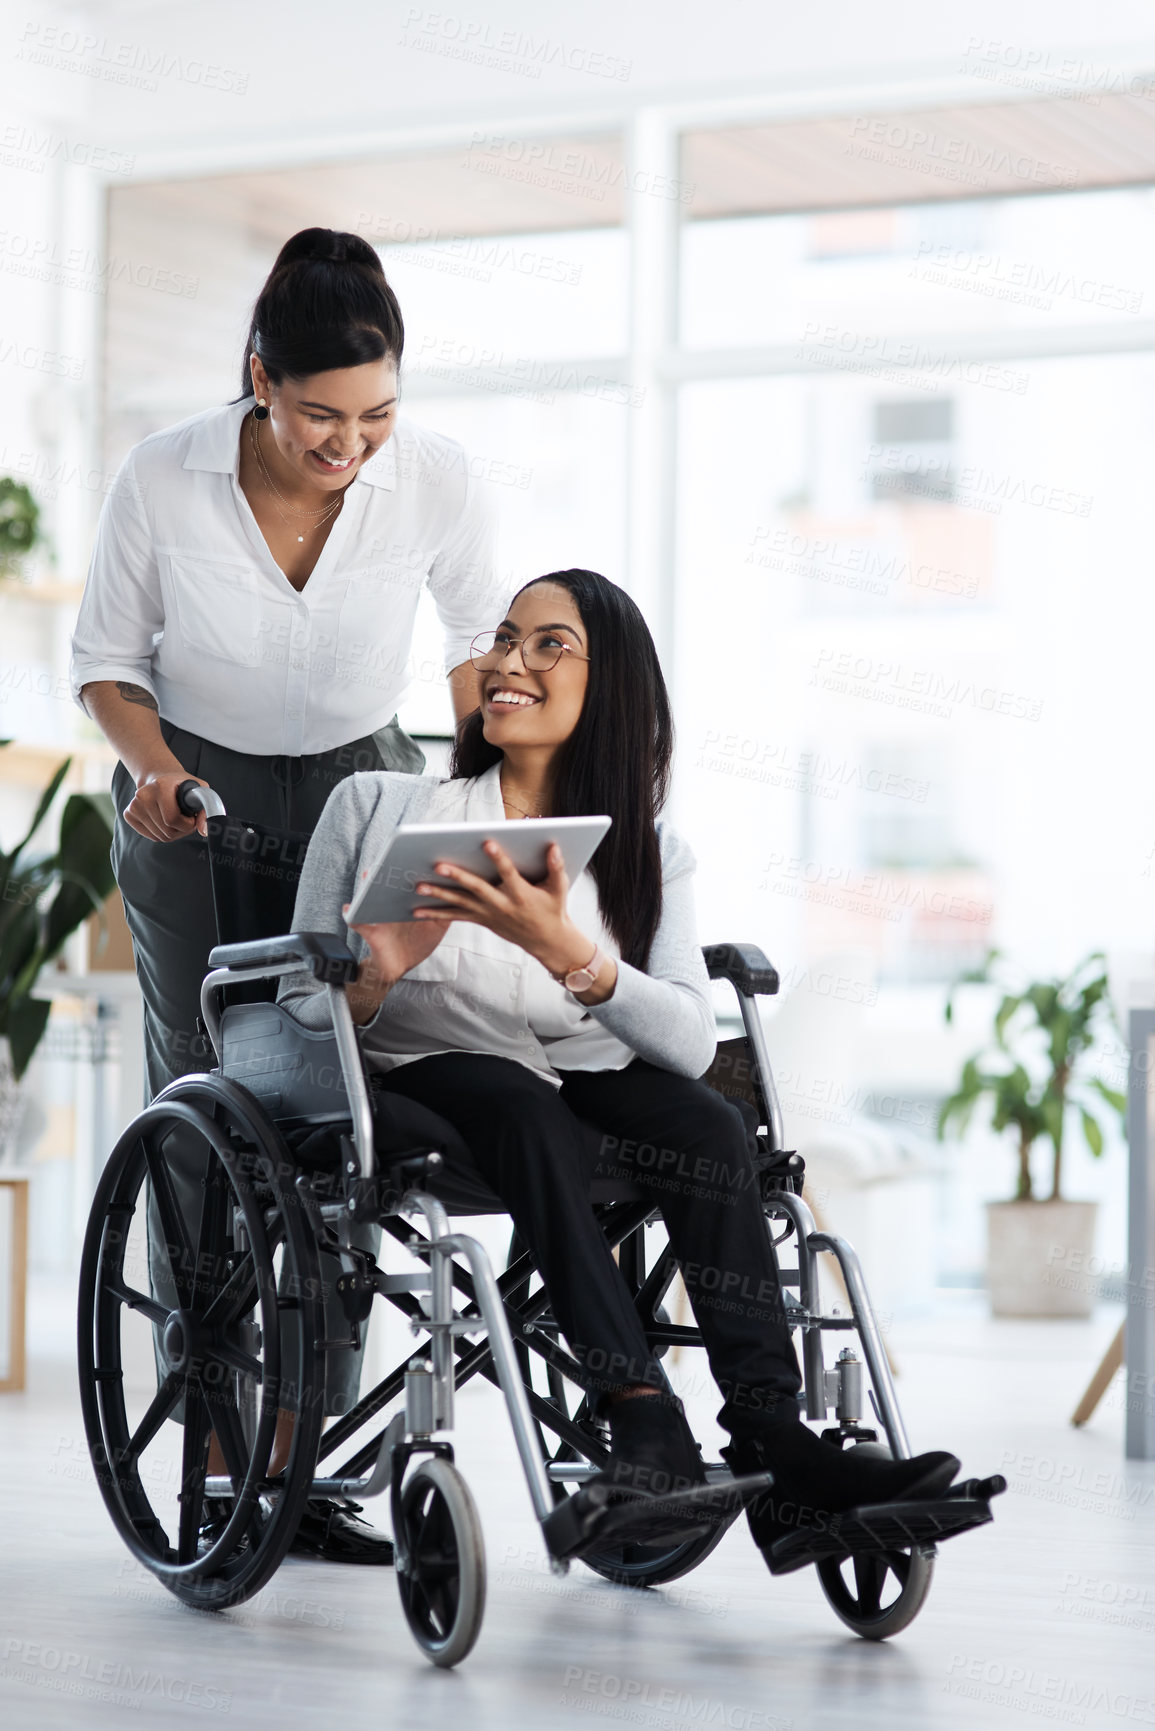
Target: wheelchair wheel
(217, 1351)
(440, 1561)
(877, 1594)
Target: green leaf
(85, 869)
(44, 901)
(74, 900)
(1052, 1109)
(19, 930)
(27, 1020)
(1013, 1103)
(1112, 1095)
(46, 799)
(1003, 1015)
(1060, 1027)
(1092, 1132)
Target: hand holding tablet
(388, 894)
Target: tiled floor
(1048, 1615)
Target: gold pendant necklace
(322, 516)
(506, 800)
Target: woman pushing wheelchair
(522, 1012)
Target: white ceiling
(242, 82)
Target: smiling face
(529, 710)
(326, 426)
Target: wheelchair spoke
(869, 1576)
(225, 1352)
(172, 1221)
(159, 1409)
(135, 1300)
(194, 1463)
(435, 1563)
(226, 1421)
(211, 1239)
(235, 1297)
(898, 1562)
(230, 1434)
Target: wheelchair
(247, 1336)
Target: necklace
(525, 812)
(322, 516)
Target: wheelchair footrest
(885, 1527)
(600, 1514)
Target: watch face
(580, 980)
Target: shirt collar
(213, 441)
(213, 445)
(381, 469)
(487, 791)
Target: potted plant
(44, 897)
(19, 524)
(1036, 1075)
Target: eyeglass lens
(540, 651)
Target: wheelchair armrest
(745, 966)
(325, 954)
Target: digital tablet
(387, 894)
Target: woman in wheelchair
(526, 1013)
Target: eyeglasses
(540, 650)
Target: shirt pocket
(219, 608)
(376, 623)
(442, 965)
(430, 990)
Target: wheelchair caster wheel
(877, 1594)
(440, 1562)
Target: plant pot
(1038, 1257)
(13, 1096)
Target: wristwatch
(581, 979)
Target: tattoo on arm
(137, 694)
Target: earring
(260, 413)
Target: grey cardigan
(664, 1014)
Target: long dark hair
(325, 304)
(616, 760)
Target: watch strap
(582, 978)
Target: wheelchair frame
(635, 1543)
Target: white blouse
(185, 599)
(476, 981)
(479, 993)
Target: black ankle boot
(816, 1481)
(652, 1448)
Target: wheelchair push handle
(192, 796)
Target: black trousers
(684, 1145)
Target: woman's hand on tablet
(533, 916)
(393, 950)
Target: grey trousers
(168, 906)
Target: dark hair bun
(328, 246)
(326, 304)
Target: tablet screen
(387, 894)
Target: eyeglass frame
(519, 643)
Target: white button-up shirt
(185, 599)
